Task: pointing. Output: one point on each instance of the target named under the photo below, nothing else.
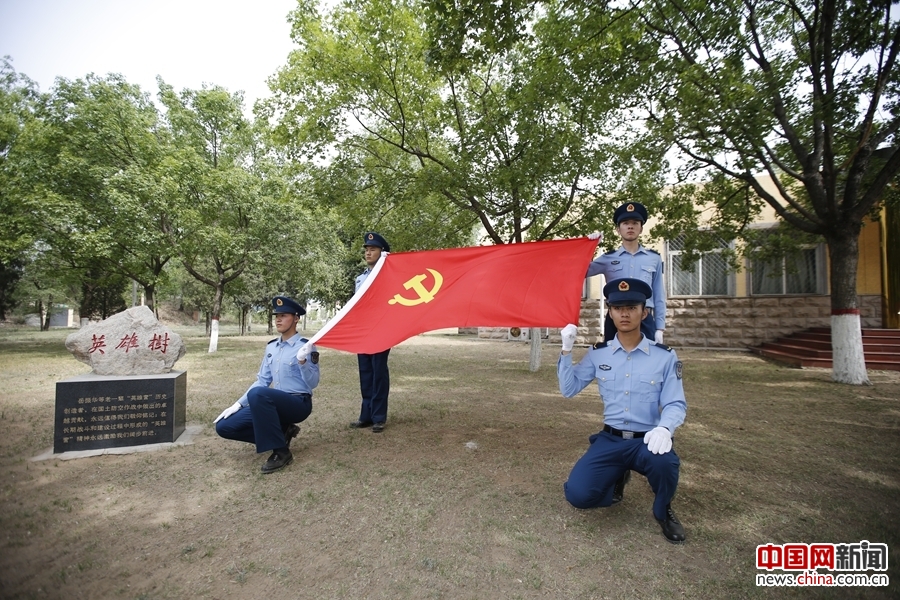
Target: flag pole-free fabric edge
(533, 284)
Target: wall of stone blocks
(718, 322)
(745, 322)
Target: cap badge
(630, 208)
(279, 302)
(371, 237)
(623, 286)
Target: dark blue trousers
(374, 385)
(648, 327)
(594, 476)
(264, 421)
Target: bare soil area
(460, 497)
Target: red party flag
(534, 284)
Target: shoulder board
(272, 340)
(303, 340)
(652, 250)
(599, 345)
(663, 346)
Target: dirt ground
(461, 496)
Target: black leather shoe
(671, 527)
(279, 459)
(360, 424)
(619, 490)
(378, 427)
(290, 432)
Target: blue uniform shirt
(641, 389)
(362, 277)
(281, 369)
(645, 265)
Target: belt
(623, 434)
(303, 396)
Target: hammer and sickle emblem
(415, 284)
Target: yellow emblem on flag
(423, 294)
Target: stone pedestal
(103, 411)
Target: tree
(18, 98)
(499, 136)
(88, 170)
(804, 92)
(224, 215)
(496, 137)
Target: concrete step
(812, 348)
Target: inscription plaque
(95, 411)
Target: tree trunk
(534, 360)
(245, 318)
(848, 361)
(216, 311)
(45, 318)
(150, 298)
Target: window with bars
(709, 276)
(796, 274)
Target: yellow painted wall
(868, 274)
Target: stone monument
(131, 396)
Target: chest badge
(605, 368)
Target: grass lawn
(460, 497)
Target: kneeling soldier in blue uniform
(267, 416)
(643, 403)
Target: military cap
(632, 210)
(626, 292)
(373, 239)
(283, 304)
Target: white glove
(568, 337)
(595, 235)
(658, 440)
(228, 412)
(659, 336)
(303, 352)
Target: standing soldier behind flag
(374, 378)
(634, 261)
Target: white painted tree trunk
(534, 361)
(848, 360)
(214, 336)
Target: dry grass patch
(461, 497)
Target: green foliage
(502, 143)
(18, 97)
(87, 175)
